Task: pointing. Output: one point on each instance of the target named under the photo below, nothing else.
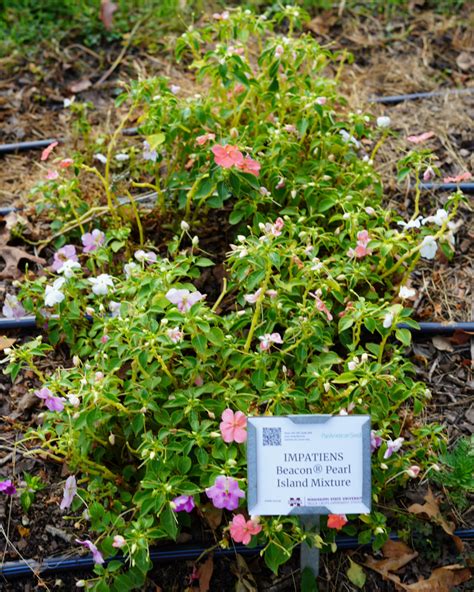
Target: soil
(423, 52)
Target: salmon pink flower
(47, 151)
(201, 140)
(96, 554)
(242, 530)
(66, 253)
(70, 490)
(233, 426)
(184, 299)
(183, 503)
(66, 163)
(225, 493)
(413, 471)
(52, 175)
(7, 487)
(361, 249)
(227, 156)
(459, 178)
(250, 166)
(224, 16)
(421, 138)
(118, 542)
(337, 521)
(52, 403)
(320, 305)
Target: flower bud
(195, 241)
(184, 225)
(112, 439)
(76, 360)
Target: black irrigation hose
(21, 146)
(55, 565)
(421, 95)
(426, 329)
(465, 187)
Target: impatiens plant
(151, 415)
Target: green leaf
(204, 262)
(155, 140)
(404, 336)
(308, 580)
(216, 336)
(345, 323)
(169, 522)
(200, 344)
(276, 556)
(344, 378)
(356, 574)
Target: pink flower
(47, 151)
(66, 163)
(66, 253)
(221, 17)
(52, 175)
(12, 309)
(393, 446)
(104, 339)
(7, 487)
(321, 100)
(70, 490)
(93, 240)
(250, 166)
(184, 299)
(145, 257)
(183, 503)
(96, 554)
(175, 335)
(281, 183)
(119, 541)
(201, 140)
(269, 338)
(413, 471)
(198, 381)
(361, 249)
(242, 530)
(337, 521)
(375, 441)
(459, 178)
(320, 305)
(428, 175)
(227, 156)
(225, 493)
(421, 138)
(52, 403)
(290, 128)
(233, 426)
(252, 298)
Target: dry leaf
(212, 515)
(12, 257)
(321, 25)
(397, 555)
(81, 85)
(106, 15)
(465, 61)
(204, 573)
(442, 579)
(431, 509)
(6, 342)
(23, 531)
(441, 343)
(245, 580)
(460, 337)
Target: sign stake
(309, 558)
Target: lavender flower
(96, 554)
(148, 153)
(70, 490)
(145, 257)
(7, 487)
(12, 309)
(393, 446)
(184, 299)
(92, 240)
(225, 493)
(62, 255)
(375, 441)
(52, 403)
(183, 503)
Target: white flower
(406, 293)
(346, 136)
(74, 400)
(68, 268)
(388, 320)
(175, 88)
(68, 102)
(252, 298)
(176, 335)
(439, 218)
(148, 257)
(428, 247)
(352, 365)
(101, 158)
(114, 308)
(184, 225)
(130, 269)
(101, 284)
(416, 223)
(121, 157)
(53, 294)
(383, 121)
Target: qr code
(272, 436)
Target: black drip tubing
(465, 187)
(21, 146)
(54, 565)
(420, 95)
